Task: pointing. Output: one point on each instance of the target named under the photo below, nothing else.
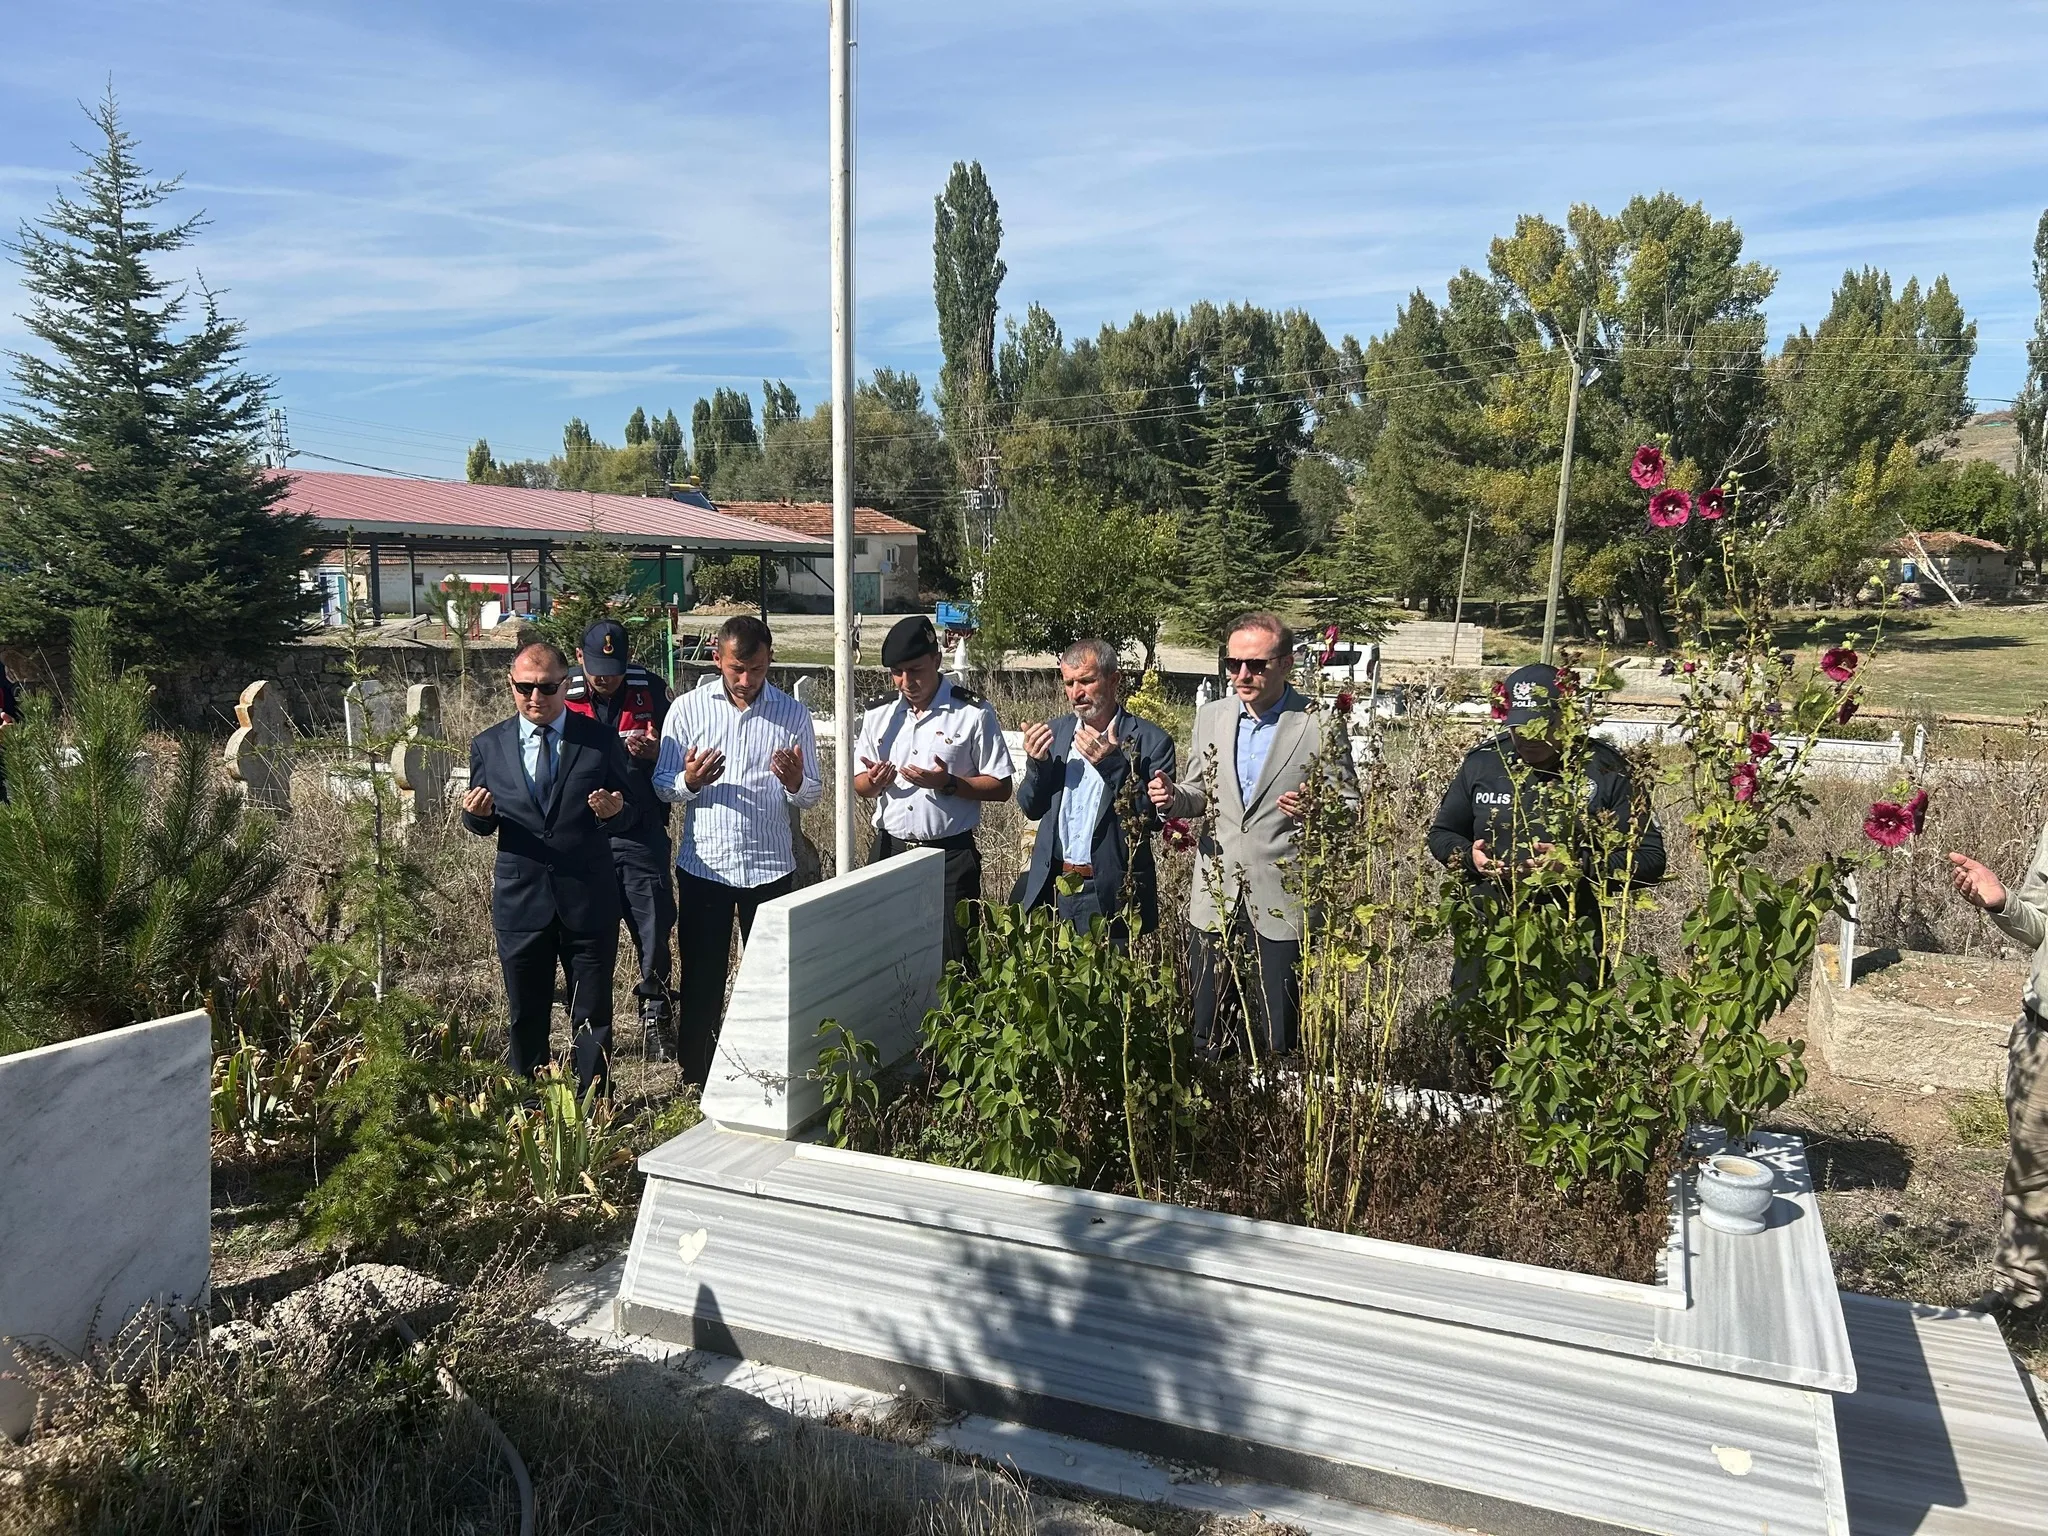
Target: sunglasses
(1256, 665)
(545, 690)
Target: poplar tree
(130, 479)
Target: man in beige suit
(1253, 751)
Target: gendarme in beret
(909, 639)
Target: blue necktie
(544, 768)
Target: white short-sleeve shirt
(957, 731)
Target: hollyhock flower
(1888, 825)
(1743, 781)
(1760, 743)
(1774, 709)
(1788, 659)
(1567, 682)
(1329, 645)
(1667, 667)
(1847, 712)
(1648, 469)
(1670, 509)
(1177, 835)
(1916, 808)
(1711, 503)
(1691, 667)
(1345, 702)
(1839, 663)
(1500, 701)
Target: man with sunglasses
(554, 788)
(930, 754)
(1256, 749)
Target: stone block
(105, 1186)
(1915, 1020)
(865, 949)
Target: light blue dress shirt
(1254, 741)
(529, 751)
(1081, 802)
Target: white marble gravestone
(369, 708)
(259, 753)
(865, 949)
(1205, 693)
(104, 1186)
(421, 762)
(806, 690)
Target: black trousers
(647, 893)
(705, 910)
(963, 877)
(1269, 970)
(530, 960)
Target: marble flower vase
(105, 1187)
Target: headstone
(369, 708)
(259, 753)
(864, 948)
(421, 762)
(105, 1186)
(806, 690)
(1205, 693)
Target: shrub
(123, 879)
(737, 580)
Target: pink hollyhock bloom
(1670, 509)
(1848, 710)
(1329, 645)
(1760, 743)
(1500, 701)
(1839, 663)
(1743, 781)
(1177, 835)
(1648, 469)
(1691, 667)
(1711, 503)
(1888, 825)
(1345, 702)
(1917, 809)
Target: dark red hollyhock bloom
(1500, 701)
(1839, 663)
(1760, 743)
(1848, 710)
(1670, 509)
(1917, 809)
(1177, 835)
(1743, 781)
(1691, 667)
(1567, 681)
(1666, 667)
(1711, 503)
(1648, 469)
(1345, 702)
(1888, 825)
(1329, 645)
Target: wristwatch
(952, 783)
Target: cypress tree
(129, 477)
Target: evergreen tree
(481, 468)
(778, 406)
(636, 428)
(129, 475)
(1229, 564)
(667, 434)
(722, 432)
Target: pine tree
(481, 468)
(129, 476)
(1229, 564)
(636, 428)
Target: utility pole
(1564, 488)
(842, 434)
(1458, 614)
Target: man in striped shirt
(736, 753)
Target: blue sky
(446, 220)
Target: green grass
(1980, 661)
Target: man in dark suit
(1084, 777)
(554, 788)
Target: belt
(954, 841)
(1085, 871)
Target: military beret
(909, 639)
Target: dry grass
(198, 1442)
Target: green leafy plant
(560, 1148)
(1053, 1048)
(733, 580)
(846, 1063)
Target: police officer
(929, 754)
(1492, 824)
(615, 691)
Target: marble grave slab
(865, 949)
(104, 1186)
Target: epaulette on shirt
(967, 695)
(880, 699)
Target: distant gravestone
(421, 761)
(368, 709)
(1205, 693)
(806, 690)
(259, 753)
